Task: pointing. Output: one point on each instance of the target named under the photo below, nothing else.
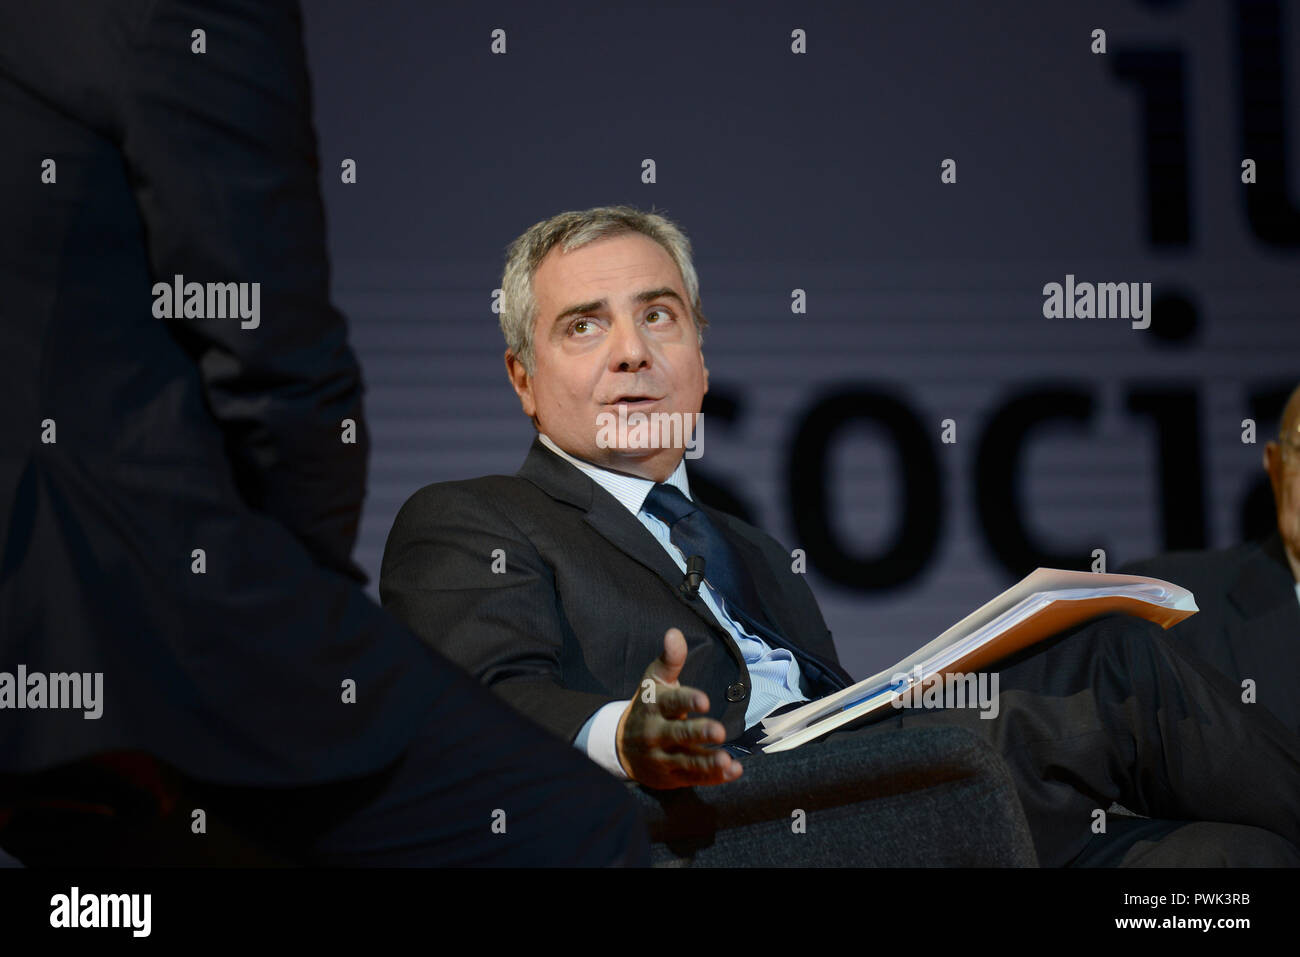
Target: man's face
(613, 328)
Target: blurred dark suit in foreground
(131, 441)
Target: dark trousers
(479, 785)
(1115, 711)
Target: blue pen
(892, 686)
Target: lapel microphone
(690, 586)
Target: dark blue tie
(692, 531)
(695, 534)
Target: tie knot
(668, 504)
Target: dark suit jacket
(585, 598)
(1249, 620)
(174, 435)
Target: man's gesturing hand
(661, 747)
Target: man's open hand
(658, 745)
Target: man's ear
(522, 383)
(1273, 465)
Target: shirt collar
(630, 490)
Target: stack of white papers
(1044, 603)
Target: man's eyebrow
(647, 295)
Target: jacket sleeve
(463, 577)
(221, 152)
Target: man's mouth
(635, 400)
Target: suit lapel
(766, 584)
(621, 529)
(1267, 620)
(1263, 629)
(613, 522)
(1264, 582)
(1256, 642)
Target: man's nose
(628, 351)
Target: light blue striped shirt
(773, 672)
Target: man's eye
(663, 312)
(579, 327)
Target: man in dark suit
(1249, 595)
(180, 491)
(574, 589)
(1248, 627)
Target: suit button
(736, 691)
